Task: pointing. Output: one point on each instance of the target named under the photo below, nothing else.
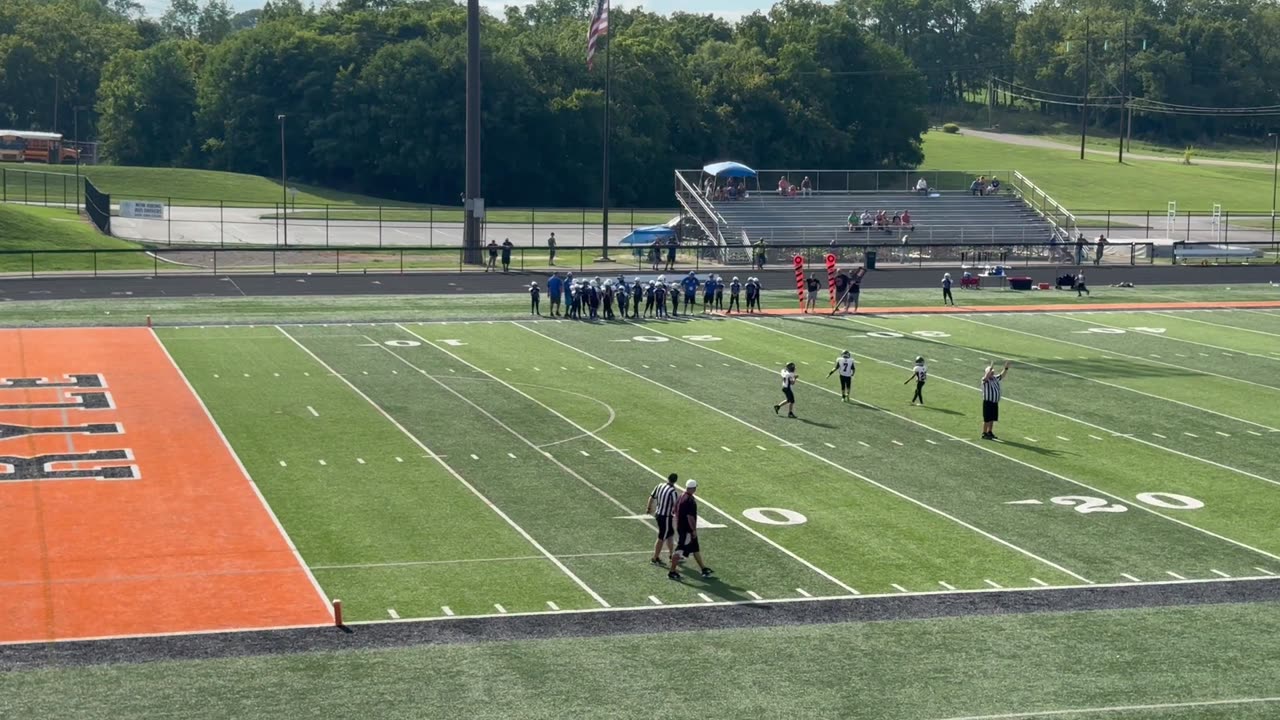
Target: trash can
(871, 259)
(1019, 283)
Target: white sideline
(1206, 322)
(448, 468)
(810, 453)
(1164, 336)
(1115, 709)
(324, 599)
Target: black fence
(97, 205)
(700, 258)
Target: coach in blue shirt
(554, 287)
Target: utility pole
(1275, 175)
(473, 204)
(76, 110)
(284, 181)
(1124, 86)
(1084, 107)
(990, 100)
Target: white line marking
(706, 597)
(215, 376)
(654, 599)
(585, 453)
(656, 450)
(1064, 439)
(1222, 433)
(284, 464)
(313, 411)
(1030, 439)
(360, 460)
(1190, 434)
(500, 608)
(1039, 582)
(1162, 437)
(552, 605)
(1182, 316)
(446, 610)
(1168, 337)
(322, 462)
(392, 612)
(895, 442)
(399, 459)
(948, 586)
(1251, 432)
(417, 563)
(1219, 573)
(863, 444)
(931, 442)
(725, 449)
(993, 584)
(691, 450)
(1095, 437)
(899, 587)
(297, 556)
(803, 593)
(1115, 709)
(1130, 577)
(1264, 571)
(760, 447)
(753, 595)
(448, 468)
(512, 456)
(474, 456)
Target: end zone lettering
(105, 466)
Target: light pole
(284, 181)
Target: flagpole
(604, 195)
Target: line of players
(596, 299)
(847, 367)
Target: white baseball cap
(691, 485)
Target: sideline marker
(337, 613)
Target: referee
(662, 506)
(991, 400)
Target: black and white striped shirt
(991, 389)
(664, 500)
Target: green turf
(919, 670)
(376, 308)
(1100, 183)
(28, 228)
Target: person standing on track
(1080, 286)
(991, 400)
(845, 366)
(920, 374)
(535, 295)
(662, 506)
(493, 256)
(789, 397)
(506, 255)
(551, 249)
(687, 532)
(811, 286)
(946, 290)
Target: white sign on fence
(142, 210)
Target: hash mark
(306, 374)
(1190, 434)
(323, 462)
(657, 451)
(895, 442)
(654, 599)
(500, 608)
(446, 610)
(246, 374)
(1039, 582)
(930, 441)
(899, 587)
(392, 612)
(833, 447)
(585, 453)
(1064, 439)
(1160, 436)
(754, 595)
(1222, 433)
(994, 584)
(511, 455)
(275, 374)
(1264, 571)
(1219, 573)
(1130, 577)
(360, 460)
(474, 456)
(1173, 574)
(725, 449)
(399, 459)
(802, 592)
(1095, 437)
(705, 597)
(1254, 433)
(283, 464)
(760, 446)
(1031, 439)
(552, 605)
(948, 586)
(215, 376)
(691, 450)
(863, 444)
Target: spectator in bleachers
(922, 186)
(982, 184)
(882, 221)
(995, 186)
(733, 190)
(866, 218)
(975, 188)
(784, 186)
(806, 188)
(906, 220)
(851, 221)
(897, 219)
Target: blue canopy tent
(649, 235)
(732, 171)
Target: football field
(477, 468)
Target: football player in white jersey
(789, 398)
(844, 366)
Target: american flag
(599, 29)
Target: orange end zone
(123, 511)
(1065, 307)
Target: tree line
(373, 90)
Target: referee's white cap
(691, 485)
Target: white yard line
(1183, 316)
(1116, 709)
(640, 464)
(993, 451)
(814, 455)
(449, 468)
(1163, 336)
(515, 433)
(244, 472)
(1131, 357)
(1069, 418)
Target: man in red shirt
(687, 532)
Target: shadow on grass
(944, 411)
(1047, 452)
